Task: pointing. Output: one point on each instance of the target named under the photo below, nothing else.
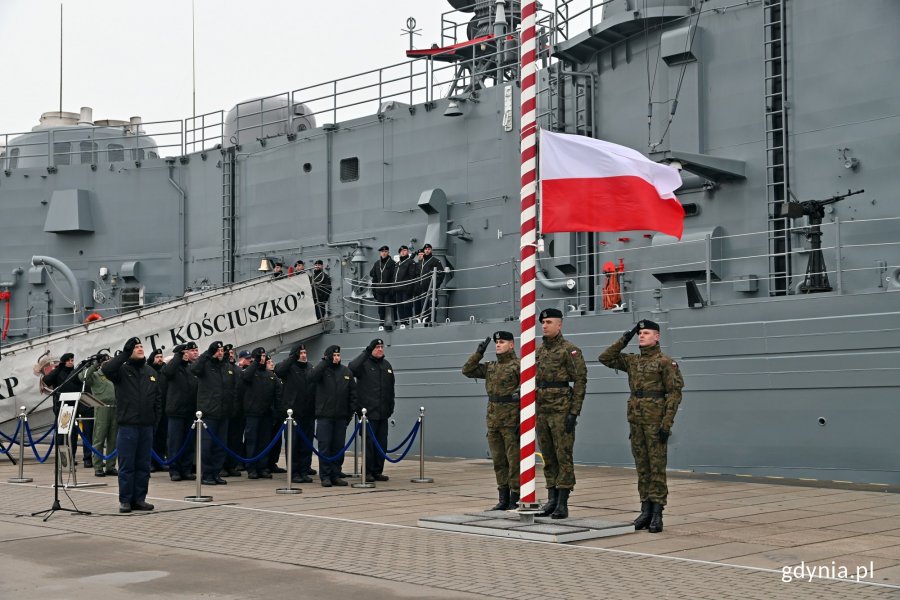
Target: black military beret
(427, 246)
(300, 262)
(178, 349)
(216, 345)
(647, 324)
(228, 347)
(66, 357)
(384, 249)
(153, 354)
(279, 264)
(190, 346)
(404, 247)
(318, 262)
(259, 350)
(550, 313)
(503, 335)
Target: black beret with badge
(550, 313)
(503, 335)
(648, 324)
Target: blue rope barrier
(43, 437)
(340, 452)
(31, 442)
(11, 440)
(375, 443)
(165, 463)
(411, 433)
(93, 450)
(239, 458)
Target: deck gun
(816, 279)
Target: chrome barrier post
(421, 478)
(362, 480)
(23, 419)
(289, 422)
(355, 447)
(198, 426)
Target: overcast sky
(133, 57)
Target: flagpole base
(288, 491)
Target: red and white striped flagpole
(527, 245)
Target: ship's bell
(264, 265)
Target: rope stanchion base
(289, 490)
(198, 498)
(19, 480)
(422, 480)
(362, 484)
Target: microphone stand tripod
(56, 471)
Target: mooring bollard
(362, 480)
(289, 422)
(421, 478)
(23, 419)
(198, 427)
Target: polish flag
(592, 185)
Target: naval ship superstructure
(779, 302)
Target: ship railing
(204, 132)
(850, 244)
(93, 145)
(455, 299)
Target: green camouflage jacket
(649, 371)
(501, 378)
(559, 360)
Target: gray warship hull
(790, 371)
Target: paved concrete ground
(722, 539)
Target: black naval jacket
(261, 391)
(335, 390)
(216, 386)
(374, 386)
(138, 401)
(299, 392)
(181, 394)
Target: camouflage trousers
(650, 461)
(504, 445)
(556, 449)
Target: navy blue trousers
(332, 434)
(213, 454)
(374, 459)
(134, 443)
(257, 435)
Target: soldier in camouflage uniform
(655, 382)
(501, 378)
(558, 406)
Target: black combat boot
(656, 524)
(643, 520)
(513, 499)
(503, 504)
(562, 504)
(547, 509)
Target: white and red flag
(592, 185)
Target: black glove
(626, 337)
(571, 420)
(663, 435)
(295, 354)
(371, 346)
(128, 348)
(214, 347)
(482, 347)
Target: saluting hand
(482, 347)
